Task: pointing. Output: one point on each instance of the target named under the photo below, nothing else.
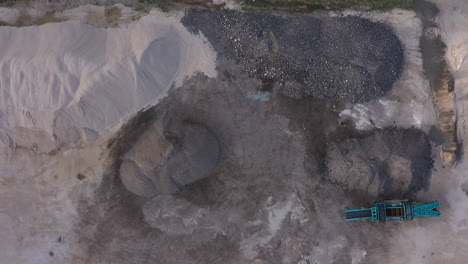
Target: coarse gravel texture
(350, 59)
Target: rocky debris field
(345, 58)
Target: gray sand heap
(168, 157)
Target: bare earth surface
(288, 168)
(221, 136)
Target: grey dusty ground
(277, 165)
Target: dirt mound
(383, 162)
(169, 156)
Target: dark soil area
(276, 156)
(310, 5)
(275, 196)
(169, 155)
(440, 78)
(384, 163)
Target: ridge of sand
(71, 83)
(67, 82)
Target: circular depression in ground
(168, 156)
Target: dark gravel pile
(390, 162)
(345, 58)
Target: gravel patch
(346, 58)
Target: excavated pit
(168, 156)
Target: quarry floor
(289, 165)
(297, 142)
(278, 193)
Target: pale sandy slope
(444, 240)
(64, 83)
(65, 87)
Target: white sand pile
(65, 83)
